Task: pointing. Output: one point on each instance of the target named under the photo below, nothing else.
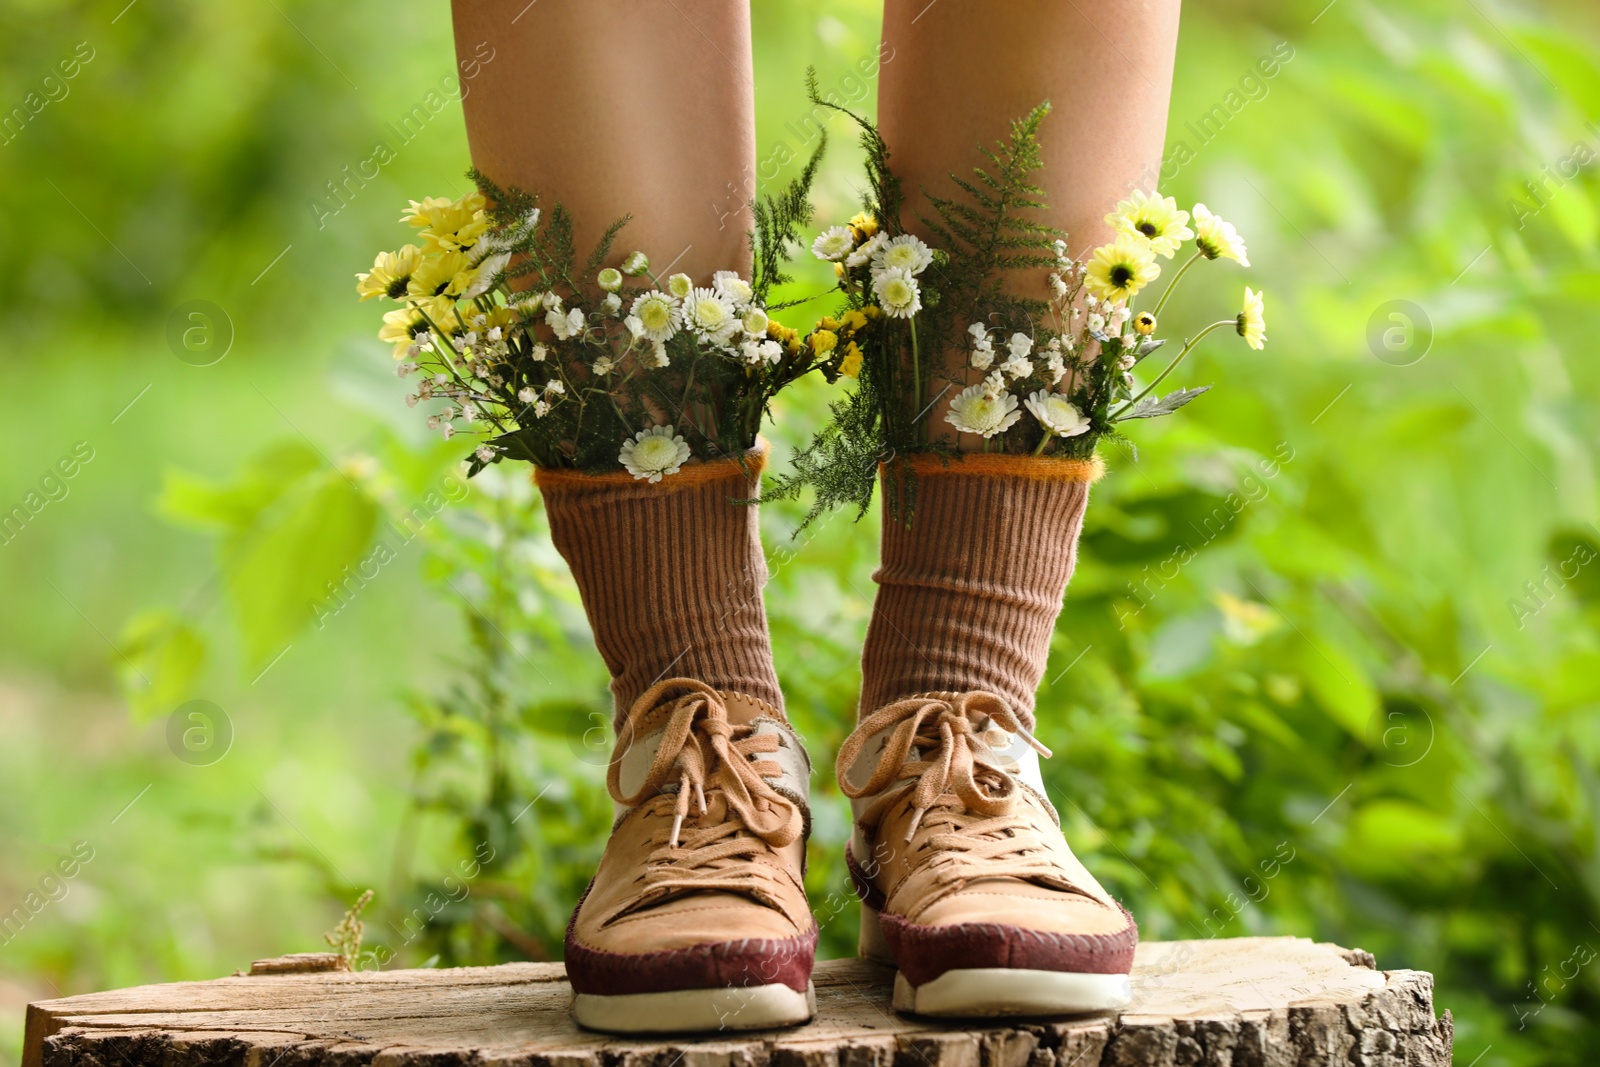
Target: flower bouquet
(1048, 372)
(594, 367)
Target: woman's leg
(697, 917)
(968, 885)
(617, 108)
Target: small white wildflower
(897, 293)
(978, 331)
(1020, 345)
(1057, 414)
(864, 254)
(555, 387)
(657, 356)
(485, 453)
(551, 301)
(833, 244)
(982, 357)
(994, 384)
(405, 369)
(658, 316)
(709, 314)
(495, 333)
(1057, 369)
(612, 304)
(541, 409)
(735, 288)
(527, 395)
(1016, 367)
(538, 353)
(604, 366)
(771, 351)
(654, 453)
(750, 352)
(1097, 322)
(975, 411)
(905, 252)
(1058, 288)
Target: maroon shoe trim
(869, 894)
(923, 953)
(714, 965)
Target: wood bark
(1241, 1002)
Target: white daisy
(833, 244)
(709, 315)
(735, 288)
(1057, 414)
(636, 263)
(755, 322)
(865, 252)
(679, 285)
(905, 252)
(654, 453)
(897, 293)
(658, 317)
(974, 411)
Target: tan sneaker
(697, 919)
(966, 883)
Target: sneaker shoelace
(739, 817)
(958, 788)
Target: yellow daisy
(449, 225)
(1154, 217)
(390, 274)
(447, 274)
(1215, 236)
(1252, 323)
(398, 326)
(864, 223)
(1120, 269)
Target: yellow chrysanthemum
(853, 321)
(1154, 217)
(850, 364)
(398, 326)
(1144, 324)
(1120, 269)
(865, 224)
(447, 274)
(823, 341)
(449, 225)
(1252, 322)
(390, 274)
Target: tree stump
(1244, 1002)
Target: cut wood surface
(1242, 1002)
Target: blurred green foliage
(1329, 667)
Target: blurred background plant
(1329, 666)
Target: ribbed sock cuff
(670, 574)
(969, 592)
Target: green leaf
(1339, 684)
(285, 570)
(1152, 406)
(159, 656)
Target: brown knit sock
(969, 592)
(670, 574)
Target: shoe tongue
(742, 711)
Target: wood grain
(1242, 1002)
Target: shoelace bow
(941, 743)
(709, 755)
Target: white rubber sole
(686, 1011)
(1008, 991)
(996, 991)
